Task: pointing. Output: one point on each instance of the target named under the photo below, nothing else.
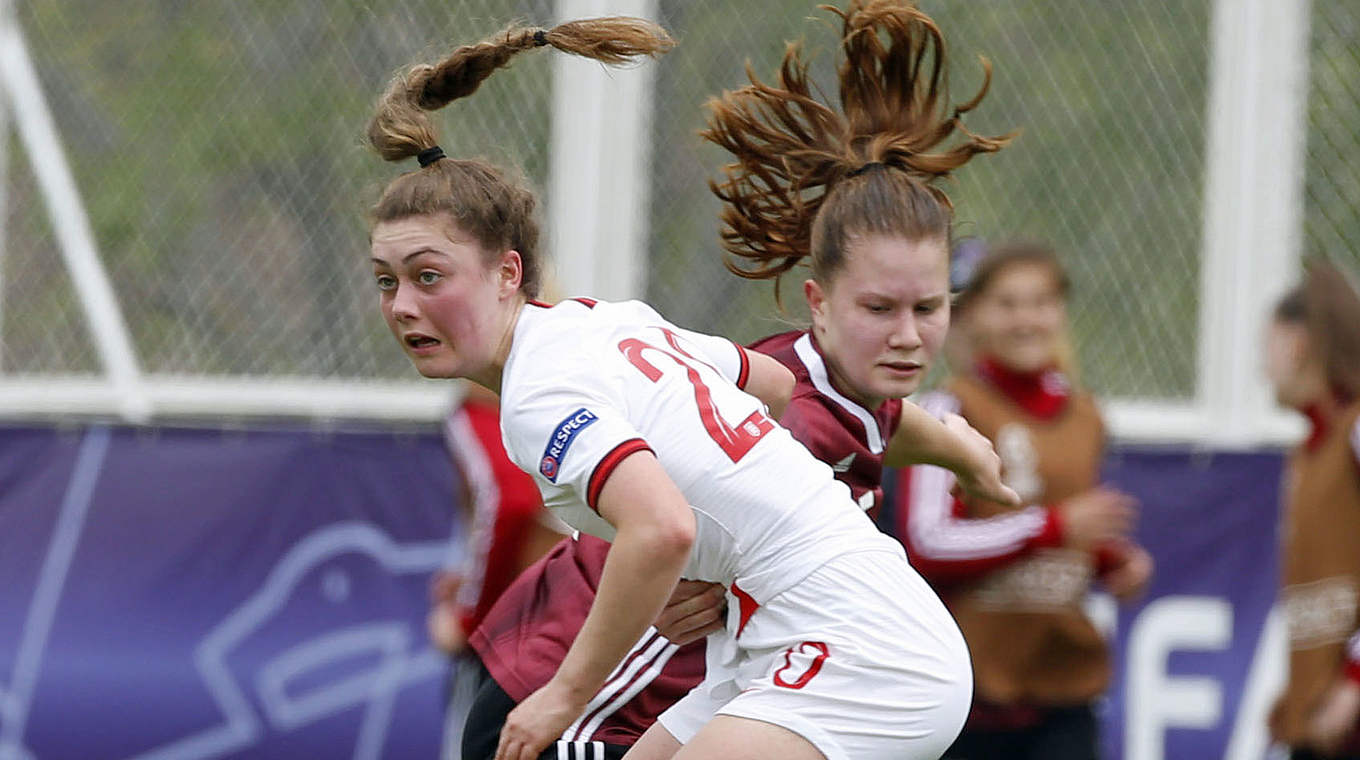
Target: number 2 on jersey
(734, 441)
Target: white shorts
(861, 659)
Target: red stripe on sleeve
(744, 373)
(606, 467)
(589, 302)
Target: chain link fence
(218, 148)
(1110, 98)
(1332, 182)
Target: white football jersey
(588, 383)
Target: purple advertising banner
(180, 594)
(184, 594)
(1193, 677)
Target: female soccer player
(1016, 578)
(637, 431)
(1313, 363)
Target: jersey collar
(816, 367)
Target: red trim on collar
(1043, 394)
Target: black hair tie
(866, 167)
(541, 37)
(429, 156)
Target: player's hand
(444, 586)
(1335, 718)
(537, 722)
(695, 609)
(980, 477)
(1096, 516)
(1129, 579)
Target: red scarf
(1043, 394)
(1319, 423)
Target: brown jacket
(1030, 640)
(1320, 566)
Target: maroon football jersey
(531, 627)
(527, 633)
(835, 429)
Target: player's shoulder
(779, 346)
(784, 348)
(816, 422)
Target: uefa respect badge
(562, 436)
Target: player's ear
(509, 273)
(816, 299)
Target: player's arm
(655, 529)
(757, 374)
(947, 547)
(953, 444)
(769, 381)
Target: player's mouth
(421, 344)
(903, 369)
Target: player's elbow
(672, 537)
(665, 537)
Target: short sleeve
(571, 438)
(729, 358)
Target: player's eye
(429, 277)
(386, 282)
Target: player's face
(1019, 318)
(882, 318)
(445, 304)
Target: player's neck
(490, 377)
(833, 374)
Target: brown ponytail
(481, 199)
(806, 178)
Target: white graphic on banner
(391, 642)
(42, 611)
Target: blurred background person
(1312, 359)
(1016, 577)
(507, 530)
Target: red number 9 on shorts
(819, 651)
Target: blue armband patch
(561, 439)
